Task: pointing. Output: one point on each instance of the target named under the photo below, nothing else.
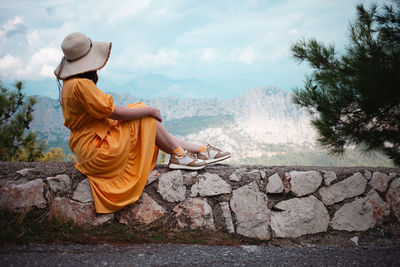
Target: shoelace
(213, 147)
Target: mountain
(145, 86)
(261, 126)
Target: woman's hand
(156, 114)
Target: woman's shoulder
(78, 81)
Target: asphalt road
(386, 253)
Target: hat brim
(94, 60)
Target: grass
(36, 226)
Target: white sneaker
(187, 162)
(212, 154)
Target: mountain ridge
(260, 126)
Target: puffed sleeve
(96, 102)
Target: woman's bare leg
(194, 148)
(164, 140)
(168, 143)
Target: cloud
(43, 62)
(208, 55)
(163, 57)
(12, 27)
(33, 38)
(246, 55)
(41, 65)
(9, 65)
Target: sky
(235, 45)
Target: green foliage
(54, 154)
(15, 117)
(354, 98)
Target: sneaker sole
(185, 167)
(209, 161)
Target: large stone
(361, 214)
(305, 182)
(367, 175)
(329, 177)
(194, 213)
(226, 212)
(351, 187)
(25, 171)
(153, 175)
(251, 211)
(393, 197)
(210, 184)
(379, 181)
(236, 176)
(145, 210)
(299, 216)
(83, 192)
(171, 186)
(79, 213)
(60, 184)
(275, 184)
(30, 194)
(254, 175)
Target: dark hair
(91, 75)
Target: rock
(194, 190)
(351, 187)
(79, 213)
(329, 177)
(226, 212)
(145, 210)
(367, 174)
(275, 184)
(254, 175)
(286, 182)
(355, 240)
(299, 216)
(210, 184)
(251, 211)
(153, 175)
(305, 182)
(393, 197)
(361, 214)
(236, 176)
(379, 181)
(190, 178)
(60, 184)
(171, 187)
(30, 194)
(392, 175)
(83, 192)
(25, 171)
(103, 218)
(263, 174)
(194, 213)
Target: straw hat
(81, 55)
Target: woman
(116, 147)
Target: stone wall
(256, 202)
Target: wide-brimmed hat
(81, 55)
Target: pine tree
(15, 116)
(354, 98)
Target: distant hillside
(262, 126)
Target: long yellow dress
(116, 156)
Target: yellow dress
(116, 156)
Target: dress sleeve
(96, 102)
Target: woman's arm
(123, 113)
